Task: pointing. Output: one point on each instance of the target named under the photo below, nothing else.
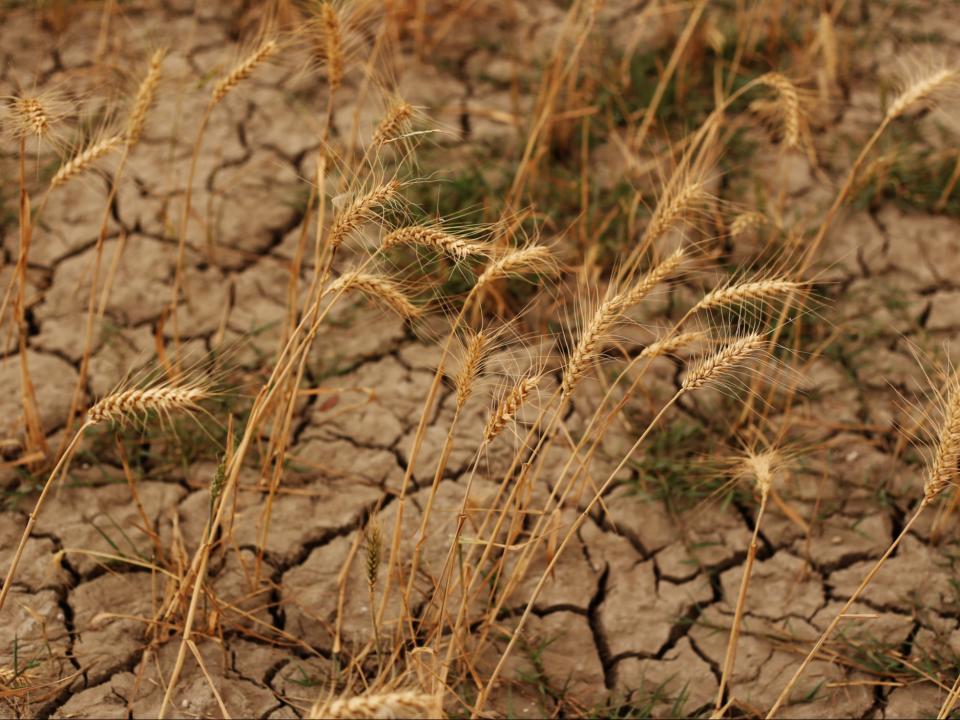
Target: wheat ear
(746, 221)
(921, 90)
(790, 101)
(529, 259)
(747, 292)
(378, 288)
(242, 71)
(33, 116)
(122, 406)
(506, 410)
(332, 45)
(471, 367)
(393, 705)
(943, 468)
(591, 342)
(83, 160)
(673, 207)
(671, 344)
(361, 209)
(433, 238)
(374, 556)
(393, 123)
(721, 363)
(144, 99)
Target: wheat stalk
(761, 466)
(746, 292)
(361, 209)
(392, 705)
(392, 124)
(507, 409)
(472, 362)
(144, 99)
(722, 362)
(333, 45)
(942, 472)
(433, 238)
(83, 160)
(378, 288)
(242, 71)
(921, 91)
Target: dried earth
(638, 614)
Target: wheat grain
(433, 238)
(378, 288)
(747, 292)
(388, 705)
(144, 99)
(921, 91)
(722, 362)
(85, 159)
(506, 410)
(121, 406)
(361, 209)
(242, 71)
(943, 469)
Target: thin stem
(482, 697)
(951, 700)
(8, 580)
(836, 621)
(731, 657)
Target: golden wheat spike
(433, 238)
(394, 705)
(242, 70)
(719, 364)
(752, 291)
(144, 99)
(361, 209)
(943, 469)
(84, 160)
(508, 408)
(377, 288)
(122, 406)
